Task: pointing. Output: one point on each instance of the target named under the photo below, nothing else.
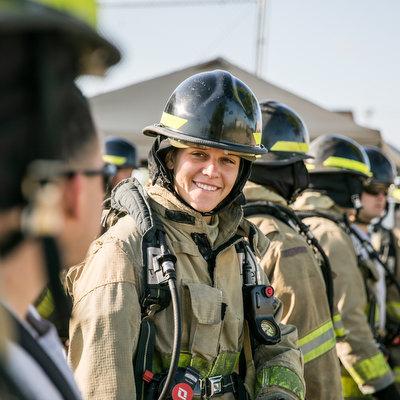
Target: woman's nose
(211, 170)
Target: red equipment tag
(182, 391)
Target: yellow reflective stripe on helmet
(317, 342)
(369, 369)
(281, 377)
(393, 309)
(290, 146)
(172, 121)
(257, 137)
(340, 330)
(353, 165)
(85, 10)
(46, 307)
(115, 160)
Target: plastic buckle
(215, 386)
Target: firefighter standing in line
(337, 173)
(200, 160)
(122, 154)
(374, 199)
(291, 264)
(44, 50)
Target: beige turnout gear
(294, 271)
(387, 244)
(365, 369)
(106, 314)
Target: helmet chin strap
(357, 204)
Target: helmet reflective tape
(345, 163)
(172, 121)
(257, 137)
(115, 160)
(86, 10)
(295, 147)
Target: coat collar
(256, 192)
(188, 221)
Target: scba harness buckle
(214, 387)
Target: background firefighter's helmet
(286, 138)
(284, 134)
(338, 153)
(213, 109)
(120, 152)
(340, 168)
(73, 21)
(382, 168)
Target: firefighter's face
(373, 204)
(204, 176)
(83, 200)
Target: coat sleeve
(105, 324)
(393, 296)
(358, 352)
(279, 368)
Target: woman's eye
(228, 161)
(198, 154)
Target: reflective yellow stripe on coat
(340, 330)
(351, 390)
(369, 369)
(393, 309)
(318, 341)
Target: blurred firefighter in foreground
(294, 264)
(338, 171)
(47, 143)
(220, 342)
(374, 199)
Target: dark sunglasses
(376, 189)
(107, 171)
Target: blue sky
(341, 54)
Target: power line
(170, 3)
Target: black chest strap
(289, 218)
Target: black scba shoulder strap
(129, 198)
(159, 279)
(289, 217)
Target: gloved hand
(389, 393)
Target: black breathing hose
(168, 265)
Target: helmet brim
(96, 52)
(154, 130)
(282, 158)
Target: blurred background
(336, 63)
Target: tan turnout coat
(106, 313)
(365, 368)
(294, 271)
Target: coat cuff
(279, 377)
